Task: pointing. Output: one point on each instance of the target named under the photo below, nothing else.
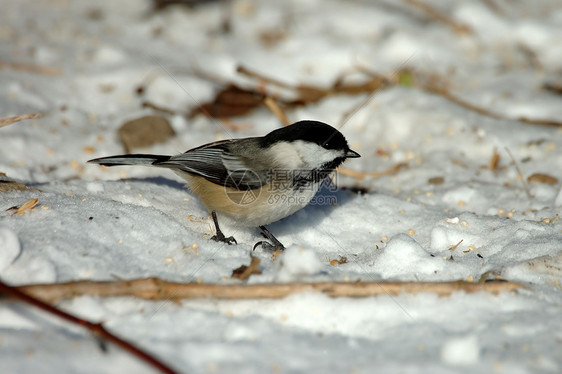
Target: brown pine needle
(453, 247)
(9, 120)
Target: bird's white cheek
(285, 156)
(313, 155)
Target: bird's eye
(325, 145)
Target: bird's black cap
(312, 131)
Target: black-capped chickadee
(255, 181)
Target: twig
(147, 104)
(545, 122)
(465, 104)
(9, 120)
(96, 329)
(439, 16)
(373, 174)
(158, 289)
(384, 83)
(494, 7)
(29, 68)
(276, 110)
(255, 75)
(519, 174)
(455, 246)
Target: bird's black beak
(352, 154)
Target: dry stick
(9, 120)
(158, 289)
(363, 103)
(29, 68)
(439, 16)
(447, 95)
(252, 74)
(276, 110)
(544, 122)
(519, 174)
(373, 174)
(97, 329)
(494, 7)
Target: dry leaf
(542, 178)
(145, 131)
(244, 272)
(28, 205)
(494, 161)
(436, 180)
(342, 260)
(6, 186)
(231, 101)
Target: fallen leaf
(145, 131)
(243, 272)
(6, 186)
(542, 178)
(231, 101)
(342, 260)
(436, 180)
(28, 205)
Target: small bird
(255, 181)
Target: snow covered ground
(92, 223)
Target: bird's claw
(271, 247)
(219, 237)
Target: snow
(298, 263)
(446, 216)
(461, 351)
(11, 248)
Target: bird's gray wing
(216, 163)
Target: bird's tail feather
(135, 159)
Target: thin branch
(373, 174)
(439, 16)
(9, 120)
(272, 105)
(519, 174)
(158, 289)
(441, 91)
(96, 329)
(29, 68)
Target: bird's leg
(275, 244)
(219, 237)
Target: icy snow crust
(124, 223)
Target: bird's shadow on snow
(325, 203)
(160, 181)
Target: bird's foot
(219, 237)
(268, 246)
(274, 246)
